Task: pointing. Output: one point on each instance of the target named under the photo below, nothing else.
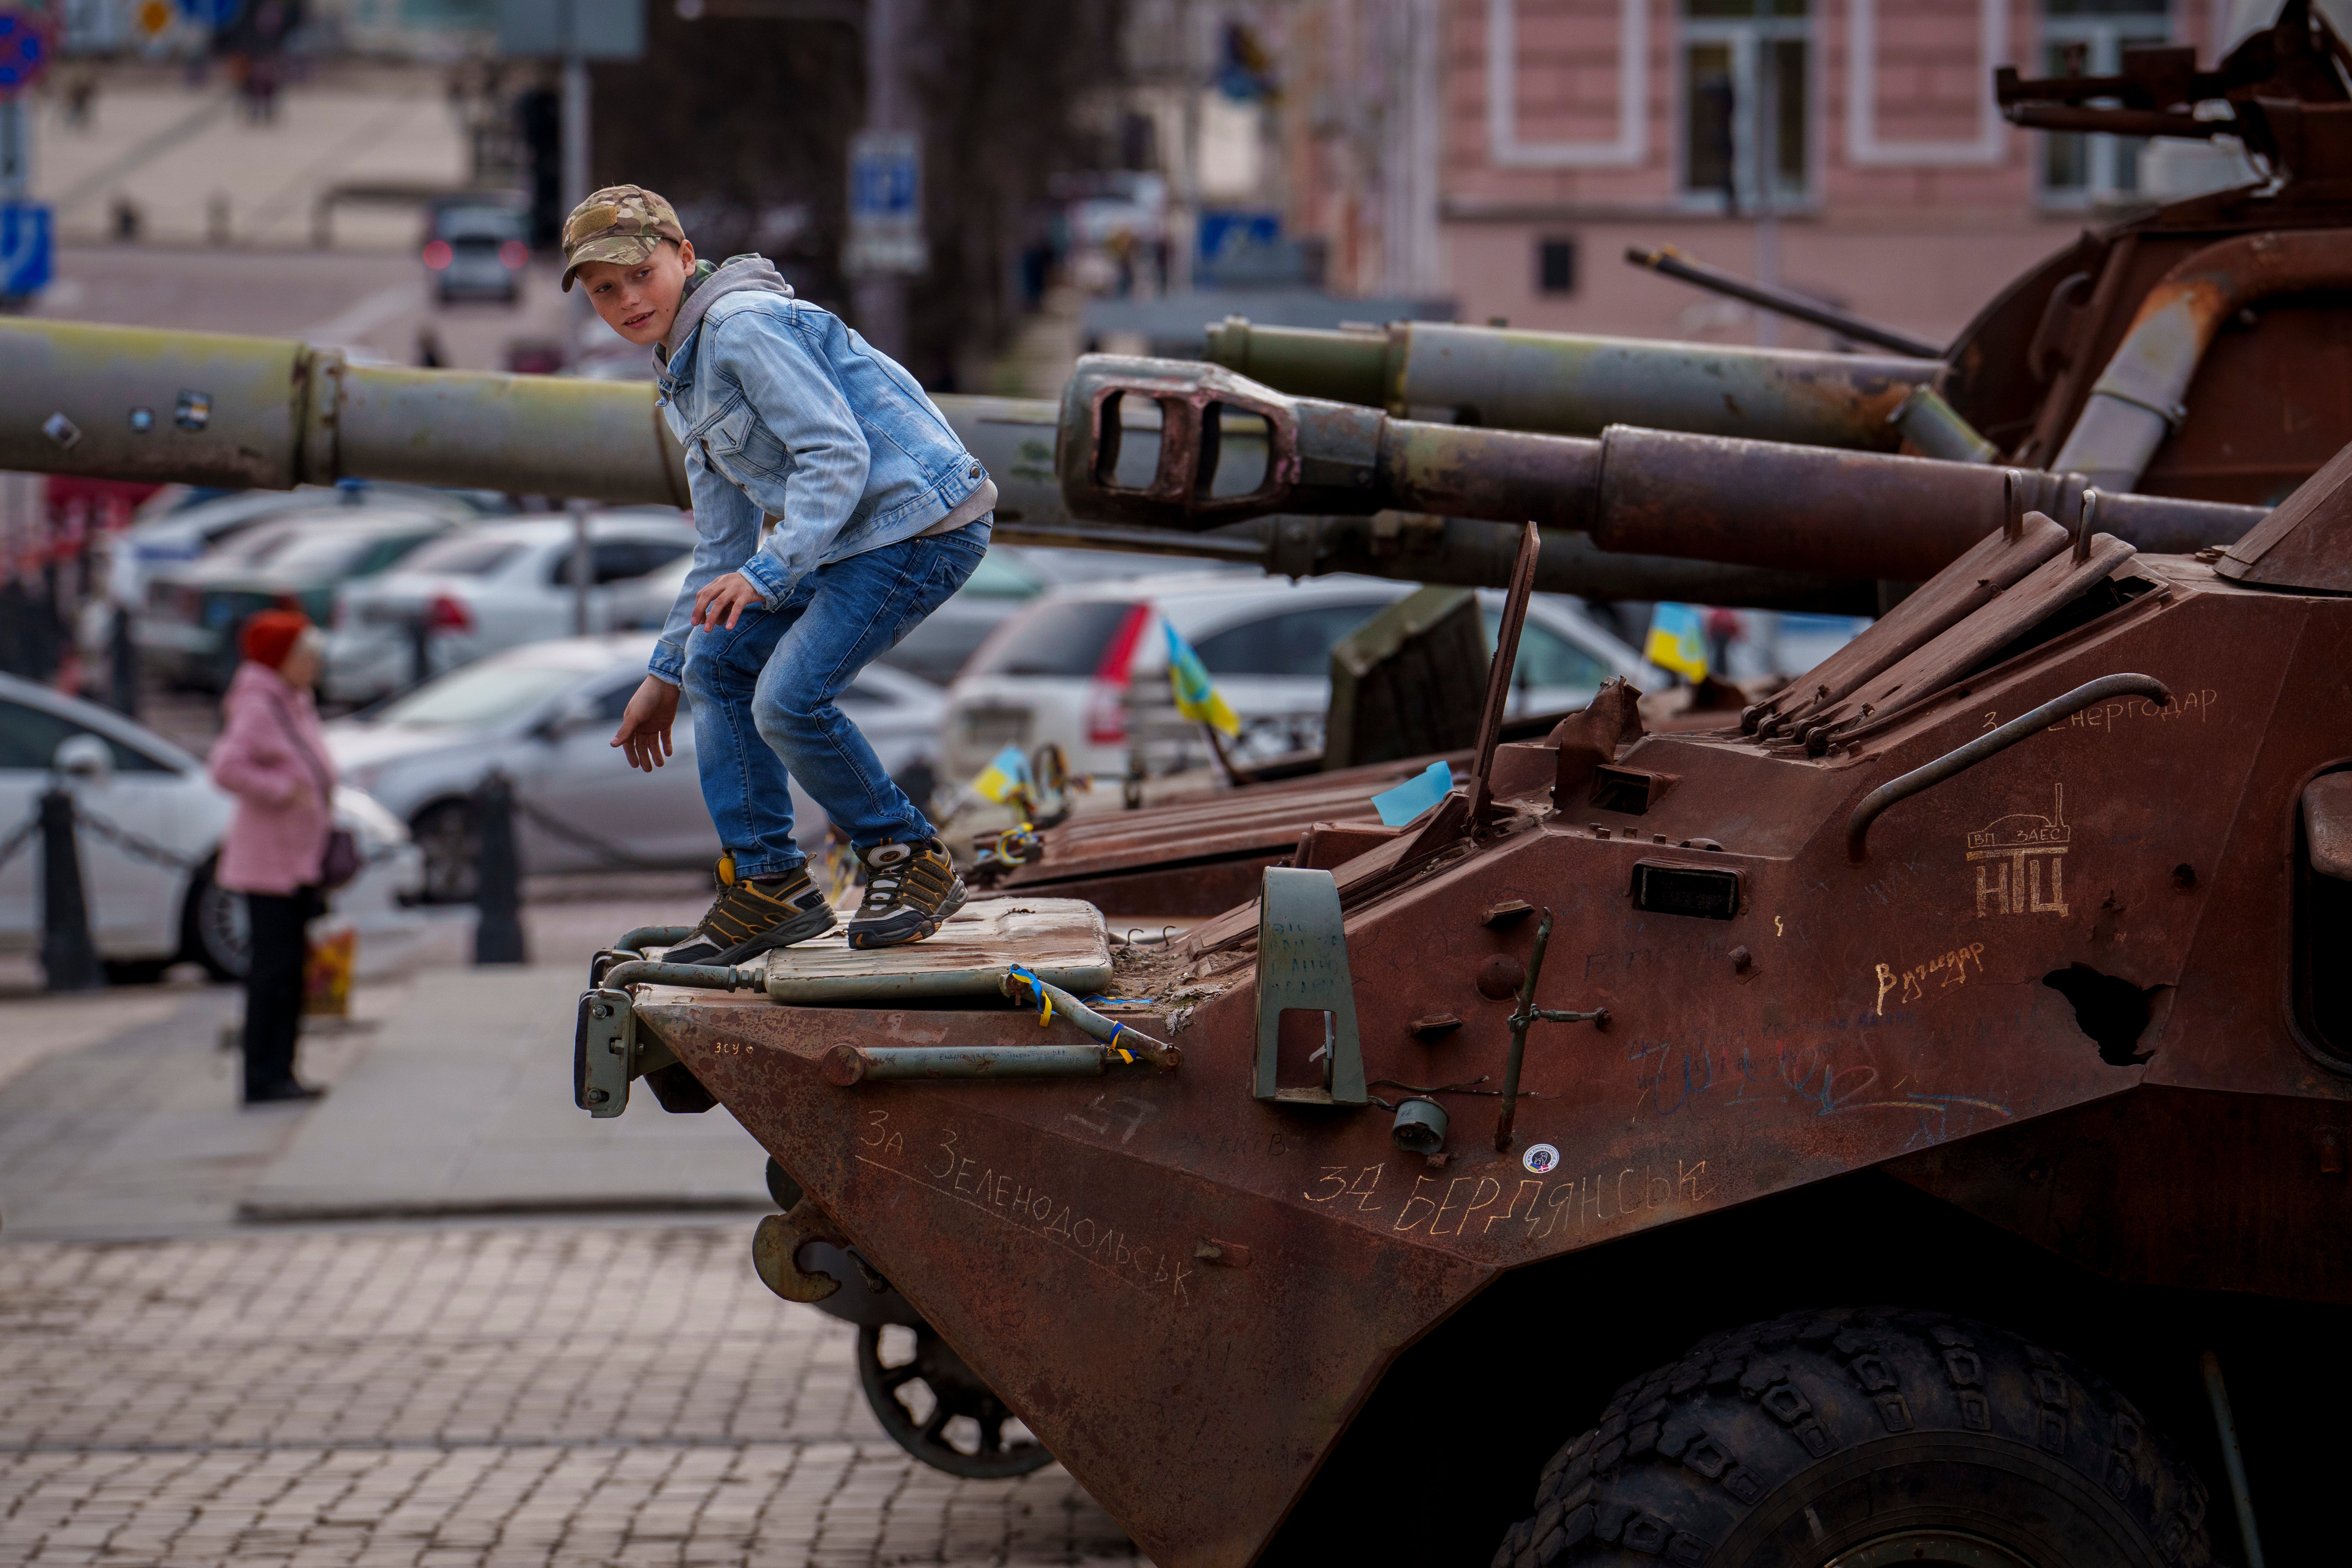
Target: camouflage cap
(619, 222)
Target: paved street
(187, 1385)
(567, 1395)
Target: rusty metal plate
(1064, 940)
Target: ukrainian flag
(1677, 641)
(1196, 696)
(1005, 778)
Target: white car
(1064, 668)
(545, 715)
(152, 828)
(494, 586)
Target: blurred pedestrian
(272, 756)
(80, 95)
(1724, 627)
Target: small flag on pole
(1196, 696)
(1677, 641)
(1005, 778)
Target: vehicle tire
(213, 928)
(961, 1426)
(450, 841)
(1862, 1438)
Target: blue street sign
(25, 49)
(217, 14)
(885, 181)
(886, 204)
(1228, 234)
(27, 248)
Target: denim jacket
(785, 412)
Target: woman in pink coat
(273, 757)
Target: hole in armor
(2112, 1012)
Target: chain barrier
(137, 846)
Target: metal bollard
(497, 894)
(123, 666)
(68, 957)
(420, 648)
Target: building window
(1555, 267)
(1747, 85)
(2087, 37)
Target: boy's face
(639, 300)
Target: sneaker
(910, 890)
(755, 914)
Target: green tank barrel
(207, 409)
(1570, 384)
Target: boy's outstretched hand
(643, 735)
(724, 600)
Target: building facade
(1508, 151)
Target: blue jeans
(763, 699)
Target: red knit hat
(270, 635)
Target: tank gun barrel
(208, 408)
(1653, 492)
(1669, 262)
(1570, 384)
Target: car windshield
(479, 223)
(463, 556)
(1295, 643)
(1065, 637)
(338, 554)
(257, 546)
(1547, 659)
(29, 738)
(480, 696)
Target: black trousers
(273, 984)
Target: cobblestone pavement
(575, 1393)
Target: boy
(879, 512)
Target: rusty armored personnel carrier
(1904, 1125)
(1870, 1132)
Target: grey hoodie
(734, 275)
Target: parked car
(1061, 669)
(475, 247)
(188, 624)
(484, 589)
(152, 829)
(182, 522)
(1008, 577)
(544, 715)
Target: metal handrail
(1990, 744)
(704, 976)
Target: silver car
(544, 715)
(496, 585)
